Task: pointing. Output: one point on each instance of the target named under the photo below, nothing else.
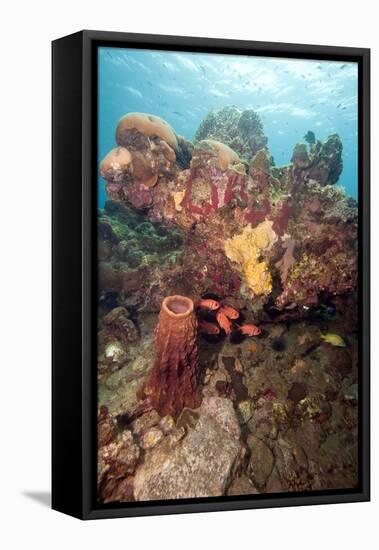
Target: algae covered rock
(151, 438)
(327, 164)
(133, 252)
(242, 485)
(322, 163)
(223, 412)
(145, 422)
(300, 157)
(184, 152)
(117, 331)
(106, 427)
(199, 465)
(261, 461)
(117, 460)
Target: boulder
(202, 464)
(261, 461)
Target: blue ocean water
(291, 97)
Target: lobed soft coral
(148, 125)
(246, 249)
(115, 166)
(225, 155)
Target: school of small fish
(225, 317)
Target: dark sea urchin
(278, 344)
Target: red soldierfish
(224, 322)
(230, 312)
(208, 328)
(250, 330)
(208, 303)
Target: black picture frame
(74, 173)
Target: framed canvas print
(210, 274)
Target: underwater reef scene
(227, 313)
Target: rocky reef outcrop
(267, 238)
(322, 162)
(133, 255)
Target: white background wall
(27, 27)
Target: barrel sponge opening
(178, 305)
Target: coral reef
(240, 130)
(323, 163)
(146, 152)
(323, 259)
(211, 210)
(266, 399)
(173, 382)
(133, 253)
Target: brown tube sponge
(173, 382)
